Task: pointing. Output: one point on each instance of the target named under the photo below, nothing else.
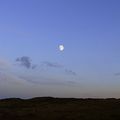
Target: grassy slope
(60, 109)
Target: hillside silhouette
(49, 108)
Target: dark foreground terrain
(47, 108)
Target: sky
(31, 63)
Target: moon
(61, 47)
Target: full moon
(61, 47)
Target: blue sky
(88, 67)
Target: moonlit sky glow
(32, 65)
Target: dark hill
(49, 108)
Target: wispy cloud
(57, 65)
(34, 66)
(70, 72)
(26, 62)
(51, 64)
(30, 79)
(72, 82)
(40, 80)
(117, 74)
(4, 64)
(7, 77)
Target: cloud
(70, 72)
(72, 82)
(34, 66)
(117, 74)
(4, 64)
(29, 79)
(50, 64)
(7, 77)
(56, 65)
(40, 80)
(13, 86)
(26, 62)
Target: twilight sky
(31, 63)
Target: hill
(49, 108)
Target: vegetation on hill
(48, 108)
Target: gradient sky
(33, 29)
